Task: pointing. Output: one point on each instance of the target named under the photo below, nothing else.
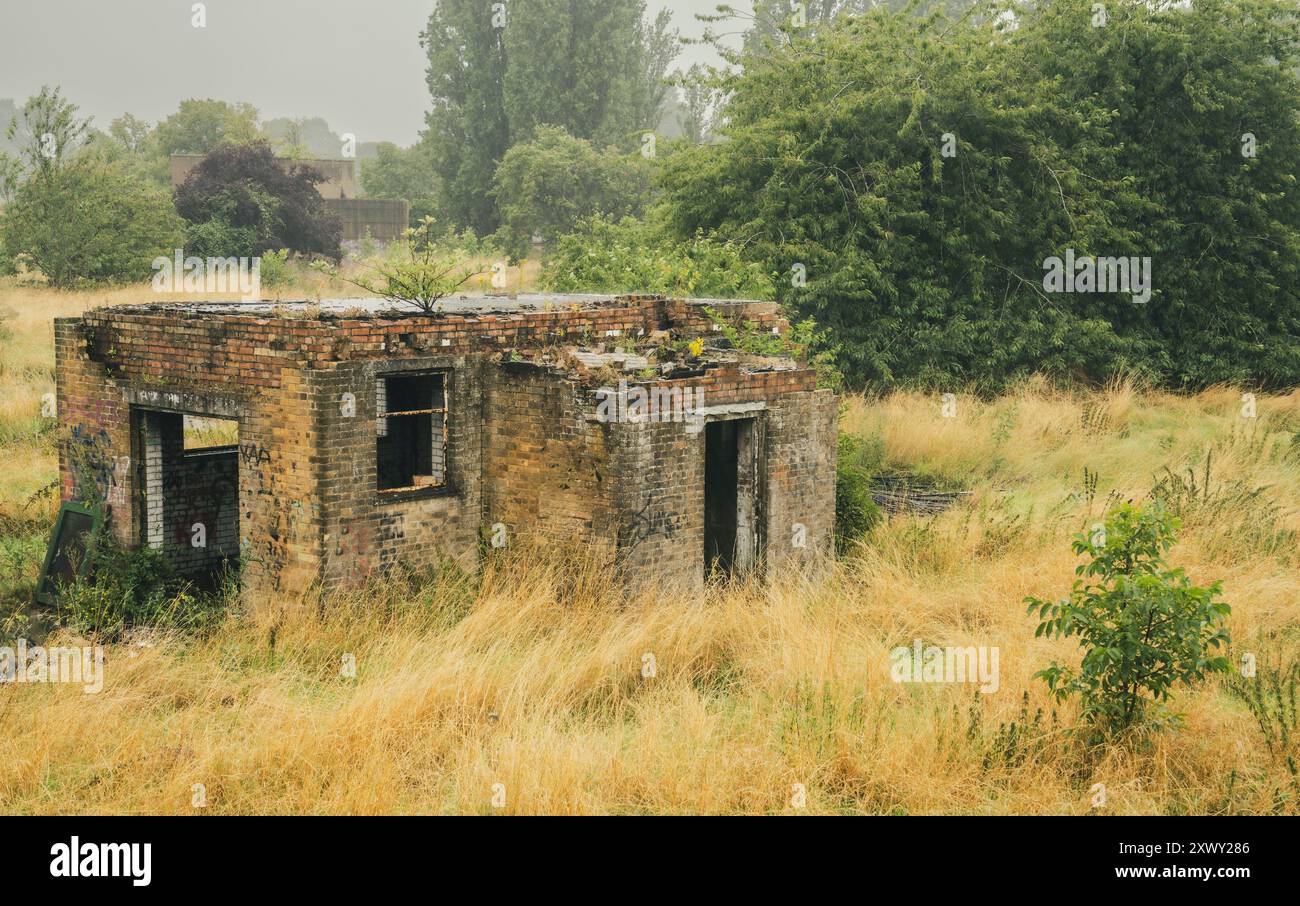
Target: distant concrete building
(371, 436)
(382, 219)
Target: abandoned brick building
(365, 433)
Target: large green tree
(199, 126)
(544, 187)
(90, 222)
(402, 173)
(1206, 126)
(73, 213)
(46, 132)
(243, 200)
(908, 177)
(498, 70)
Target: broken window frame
(439, 439)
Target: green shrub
(629, 256)
(799, 342)
(247, 186)
(133, 588)
(421, 272)
(91, 223)
(929, 262)
(402, 173)
(8, 267)
(274, 270)
(22, 551)
(855, 512)
(219, 238)
(547, 185)
(1143, 627)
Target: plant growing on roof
(802, 342)
(422, 277)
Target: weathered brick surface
(525, 448)
(800, 475)
(366, 530)
(545, 464)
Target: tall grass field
(537, 686)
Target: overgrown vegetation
(632, 256)
(1144, 627)
(895, 180)
(545, 186)
(23, 537)
(136, 587)
(907, 177)
(802, 342)
(1270, 694)
(75, 218)
(531, 675)
(241, 201)
(856, 513)
(421, 274)
(593, 68)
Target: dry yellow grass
(533, 678)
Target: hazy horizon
(359, 66)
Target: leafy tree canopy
(496, 73)
(90, 222)
(199, 126)
(545, 186)
(907, 177)
(246, 188)
(406, 173)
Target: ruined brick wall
(691, 317)
(545, 458)
(659, 469)
(365, 530)
(802, 429)
(280, 457)
(113, 364)
(95, 456)
(660, 499)
(247, 350)
(524, 448)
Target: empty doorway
(730, 494)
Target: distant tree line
(913, 177)
(543, 113)
(84, 206)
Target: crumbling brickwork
(525, 451)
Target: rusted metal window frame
(381, 426)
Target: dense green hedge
(920, 173)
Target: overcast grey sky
(357, 63)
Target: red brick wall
(364, 530)
(279, 518)
(186, 346)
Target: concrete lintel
(733, 409)
(182, 401)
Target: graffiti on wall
(98, 476)
(202, 490)
(652, 519)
